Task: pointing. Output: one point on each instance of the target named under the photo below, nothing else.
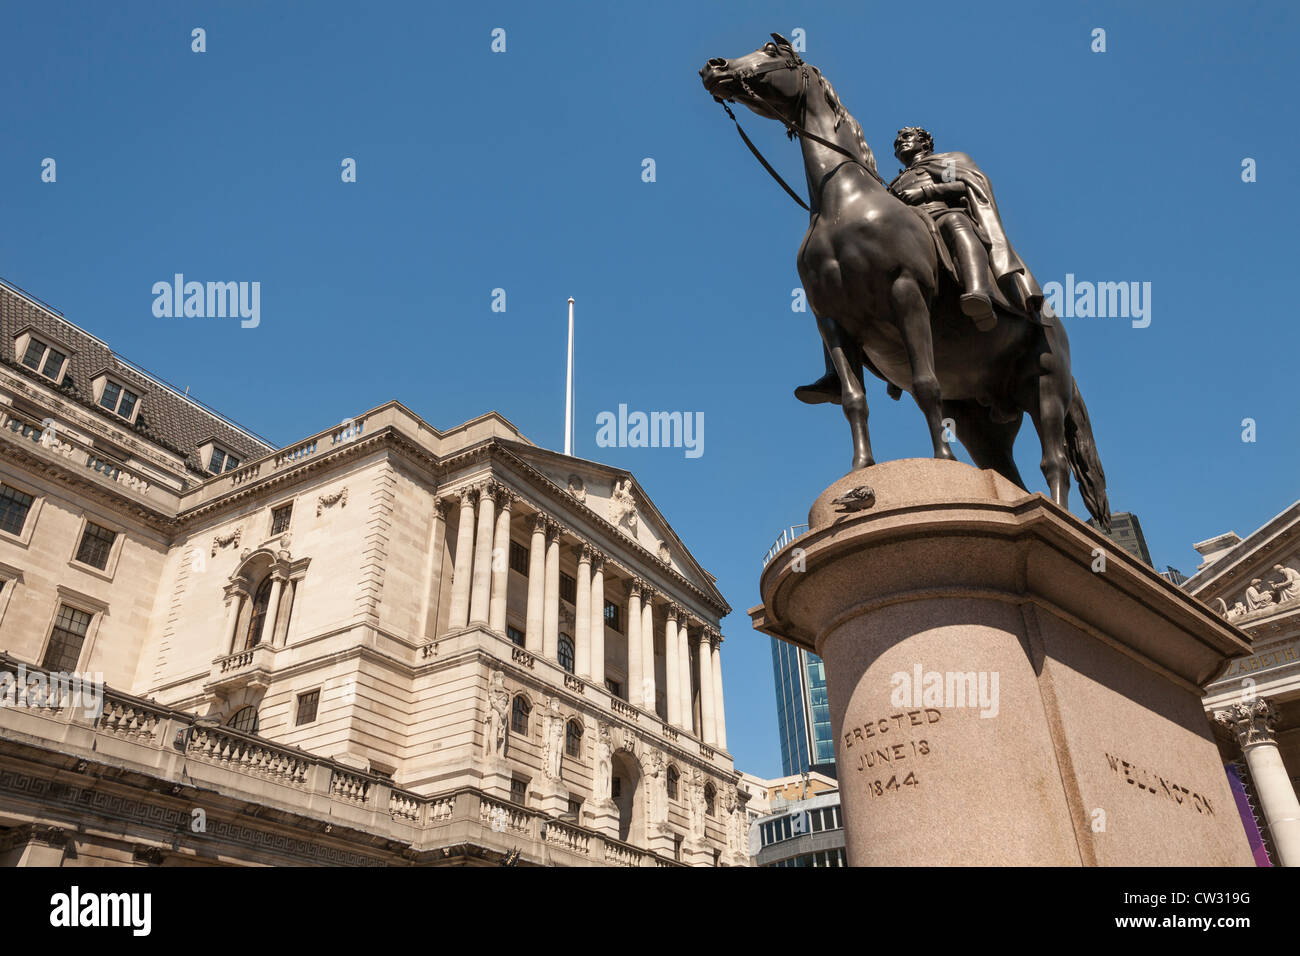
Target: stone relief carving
(622, 504)
(221, 540)
(577, 488)
(339, 497)
(1288, 589)
(665, 555)
(602, 784)
(656, 787)
(1256, 597)
(554, 738)
(696, 801)
(494, 736)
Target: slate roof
(166, 417)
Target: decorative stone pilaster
(708, 718)
(719, 712)
(674, 688)
(582, 613)
(464, 561)
(598, 620)
(635, 646)
(481, 587)
(551, 604)
(649, 694)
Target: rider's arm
(943, 191)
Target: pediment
(615, 496)
(1256, 577)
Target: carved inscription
(1156, 785)
(886, 743)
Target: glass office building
(803, 714)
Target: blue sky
(522, 170)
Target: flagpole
(568, 390)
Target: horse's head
(770, 81)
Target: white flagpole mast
(568, 390)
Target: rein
(792, 128)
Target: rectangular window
(307, 704)
(815, 818)
(568, 588)
(615, 688)
(575, 808)
(221, 462)
(280, 518)
(519, 791)
(613, 619)
(42, 358)
(96, 543)
(118, 400)
(518, 558)
(14, 506)
(69, 634)
(516, 635)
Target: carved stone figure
(602, 785)
(554, 739)
(622, 505)
(917, 328)
(1256, 597)
(697, 803)
(577, 488)
(494, 735)
(1288, 589)
(655, 784)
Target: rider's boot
(972, 262)
(825, 389)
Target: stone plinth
(1006, 685)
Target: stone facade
(383, 644)
(1255, 704)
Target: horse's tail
(1081, 450)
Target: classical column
(536, 586)
(671, 667)
(464, 561)
(598, 620)
(272, 609)
(482, 586)
(634, 646)
(582, 614)
(1252, 722)
(708, 727)
(551, 604)
(685, 704)
(648, 689)
(500, 564)
(433, 570)
(234, 603)
(719, 713)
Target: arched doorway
(625, 788)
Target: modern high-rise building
(1126, 532)
(802, 710)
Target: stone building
(1255, 705)
(386, 643)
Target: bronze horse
(872, 276)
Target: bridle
(792, 128)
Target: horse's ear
(780, 40)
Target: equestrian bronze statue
(919, 285)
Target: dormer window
(118, 399)
(221, 461)
(44, 359)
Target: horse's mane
(855, 128)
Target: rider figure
(957, 198)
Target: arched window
(519, 715)
(566, 652)
(255, 621)
(244, 719)
(710, 798)
(673, 777)
(573, 739)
